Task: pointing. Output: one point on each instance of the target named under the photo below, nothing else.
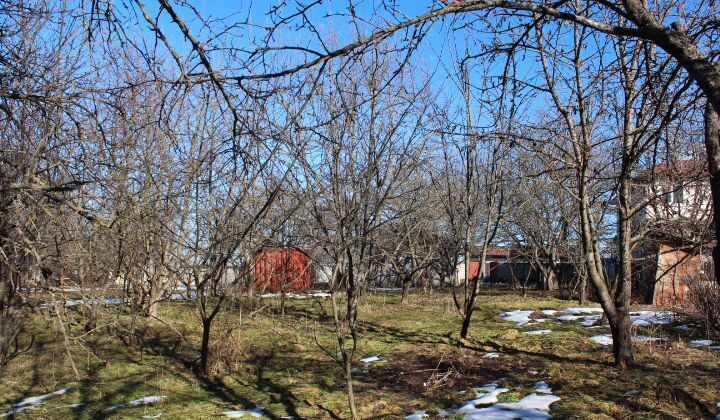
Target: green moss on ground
(264, 359)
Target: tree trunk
(350, 392)
(622, 339)
(469, 309)
(712, 146)
(617, 310)
(465, 326)
(406, 291)
(154, 298)
(582, 292)
(205, 346)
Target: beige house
(676, 224)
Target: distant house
(676, 216)
(503, 264)
(283, 270)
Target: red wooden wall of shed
(285, 269)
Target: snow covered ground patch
(485, 405)
(149, 400)
(647, 318)
(606, 339)
(538, 332)
(630, 393)
(603, 339)
(491, 355)
(583, 311)
(708, 344)
(518, 316)
(152, 399)
(418, 415)
(371, 359)
(31, 403)
(237, 414)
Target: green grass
(273, 361)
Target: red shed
(287, 269)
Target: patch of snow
(31, 403)
(542, 388)
(491, 355)
(487, 394)
(630, 393)
(114, 407)
(606, 339)
(518, 316)
(149, 400)
(603, 339)
(700, 343)
(587, 317)
(647, 318)
(531, 407)
(644, 338)
(538, 332)
(549, 311)
(371, 359)
(686, 328)
(416, 415)
(582, 311)
(532, 402)
(236, 414)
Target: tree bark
(712, 146)
(205, 346)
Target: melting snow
(491, 355)
(538, 332)
(149, 400)
(604, 339)
(31, 403)
(643, 338)
(418, 415)
(531, 407)
(585, 311)
(630, 393)
(371, 359)
(542, 387)
(236, 414)
(704, 343)
(152, 399)
(647, 318)
(518, 316)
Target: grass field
(264, 359)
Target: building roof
(681, 168)
(494, 251)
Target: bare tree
(366, 138)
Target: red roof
(681, 168)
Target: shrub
(704, 304)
